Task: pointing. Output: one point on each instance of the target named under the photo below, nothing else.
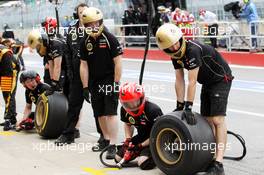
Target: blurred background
(22, 15)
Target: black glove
(86, 94)
(187, 114)
(179, 106)
(55, 86)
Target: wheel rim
(168, 137)
(40, 114)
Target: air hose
(243, 143)
(119, 165)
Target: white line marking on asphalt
(169, 62)
(196, 104)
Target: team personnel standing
(49, 25)
(100, 70)
(8, 75)
(74, 35)
(211, 20)
(205, 65)
(56, 51)
(34, 88)
(249, 11)
(17, 47)
(137, 112)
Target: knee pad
(147, 164)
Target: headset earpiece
(38, 78)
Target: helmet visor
(132, 105)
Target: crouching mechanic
(137, 112)
(205, 65)
(34, 88)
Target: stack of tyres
(51, 115)
(181, 149)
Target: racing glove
(188, 114)
(86, 94)
(55, 86)
(26, 124)
(179, 106)
(126, 144)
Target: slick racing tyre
(51, 115)
(181, 149)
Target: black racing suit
(74, 36)
(33, 95)
(143, 125)
(99, 54)
(214, 74)
(57, 47)
(8, 79)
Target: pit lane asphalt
(26, 153)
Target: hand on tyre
(179, 106)
(55, 85)
(49, 91)
(188, 114)
(86, 94)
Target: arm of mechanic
(27, 110)
(180, 85)
(57, 68)
(118, 68)
(192, 76)
(84, 73)
(145, 143)
(129, 130)
(51, 66)
(20, 51)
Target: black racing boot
(77, 133)
(101, 138)
(111, 152)
(100, 146)
(216, 168)
(65, 139)
(12, 122)
(8, 125)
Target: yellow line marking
(7, 133)
(103, 171)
